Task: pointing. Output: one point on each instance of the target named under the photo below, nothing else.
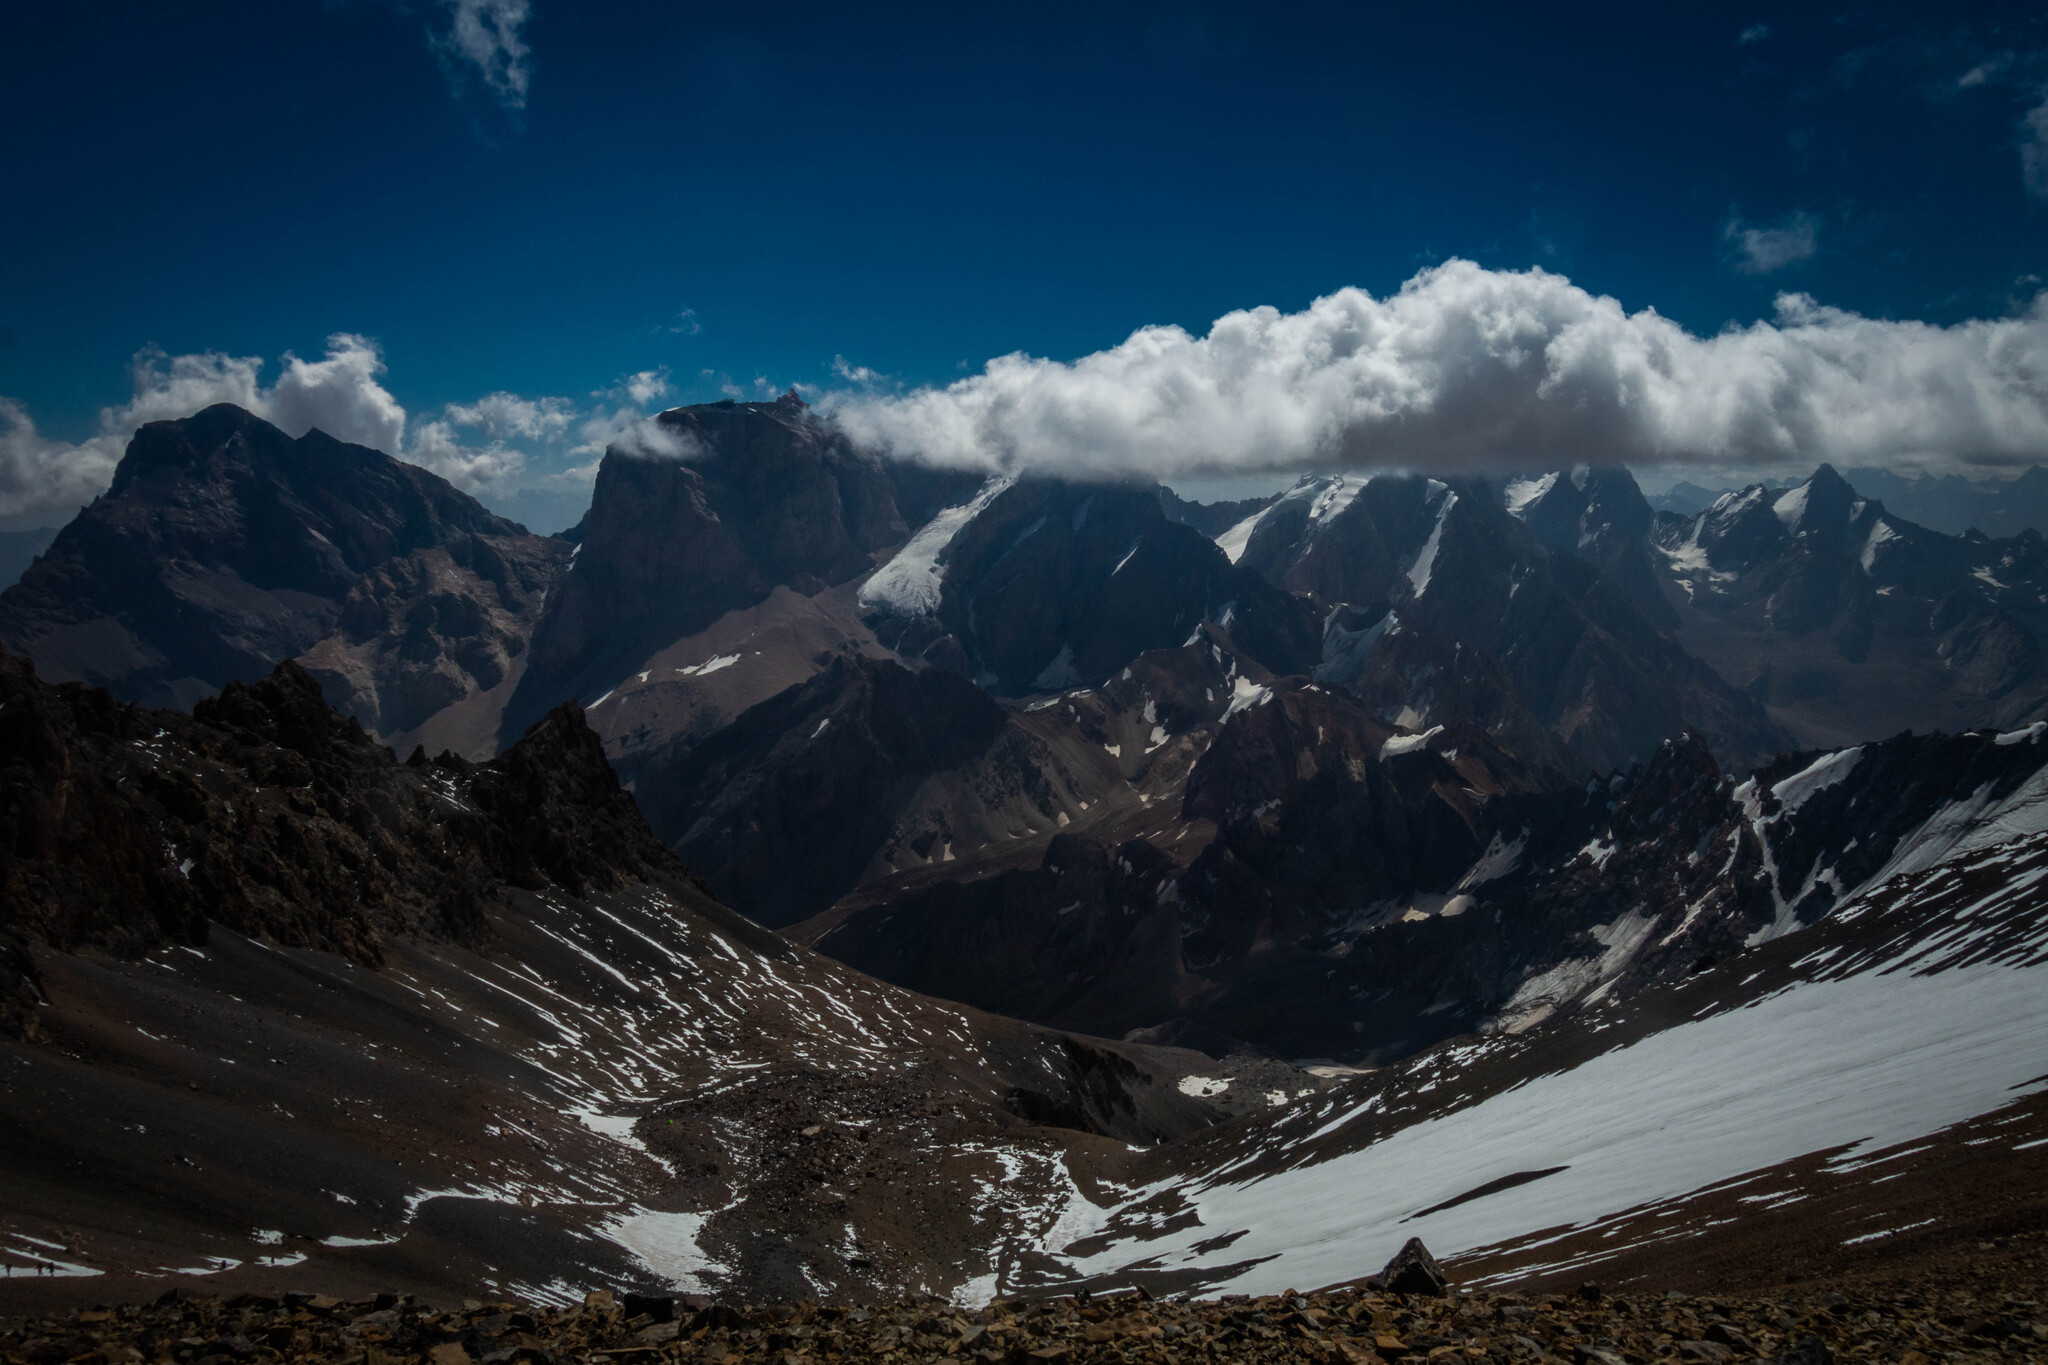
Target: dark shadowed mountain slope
(1995, 507)
(224, 546)
(1368, 893)
(1212, 519)
(1853, 623)
(871, 772)
(269, 813)
(1556, 607)
(18, 550)
(1311, 819)
(285, 1011)
(720, 505)
(1042, 585)
(790, 804)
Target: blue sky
(746, 194)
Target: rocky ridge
(1851, 622)
(1366, 893)
(1555, 610)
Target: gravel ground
(1989, 1308)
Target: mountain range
(816, 875)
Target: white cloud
(492, 467)
(631, 432)
(638, 389)
(854, 374)
(1760, 250)
(43, 481)
(1755, 33)
(2034, 150)
(500, 415)
(469, 444)
(42, 478)
(686, 323)
(484, 35)
(1475, 369)
(341, 395)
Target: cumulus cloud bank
(1473, 369)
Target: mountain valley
(819, 877)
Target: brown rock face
(738, 498)
(791, 801)
(422, 632)
(225, 546)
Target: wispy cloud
(686, 323)
(1473, 369)
(2034, 150)
(640, 388)
(502, 416)
(482, 43)
(855, 374)
(1754, 34)
(1759, 250)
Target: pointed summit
(792, 399)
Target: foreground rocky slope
(282, 1003)
(1986, 1308)
(622, 1084)
(224, 546)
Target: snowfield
(1944, 1020)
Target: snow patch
(1059, 673)
(908, 584)
(1520, 494)
(709, 666)
(1233, 541)
(1397, 745)
(1246, 693)
(1873, 1060)
(1791, 506)
(1425, 558)
(666, 1243)
(1824, 772)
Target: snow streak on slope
(909, 583)
(1425, 558)
(1907, 1013)
(1233, 541)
